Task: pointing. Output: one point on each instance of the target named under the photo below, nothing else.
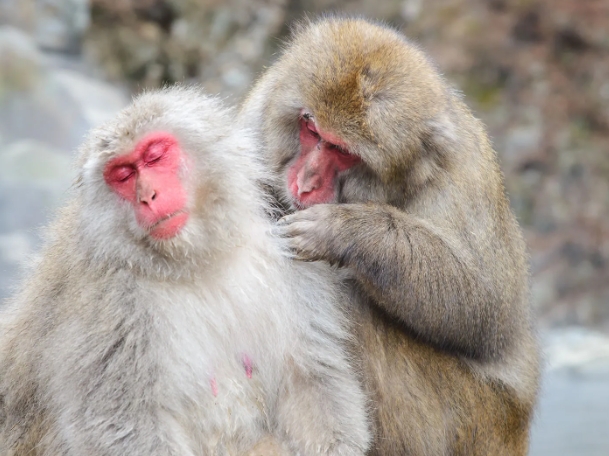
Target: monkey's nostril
(153, 197)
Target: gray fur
(113, 344)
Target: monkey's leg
(321, 410)
(268, 446)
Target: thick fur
(122, 345)
(436, 261)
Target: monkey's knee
(268, 446)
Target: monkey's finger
(289, 219)
(302, 249)
(299, 255)
(297, 228)
(285, 232)
(285, 220)
(278, 231)
(309, 214)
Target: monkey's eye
(154, 160)
(339, 149)
(154, 153)
(122, 173)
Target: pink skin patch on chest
(247, 364)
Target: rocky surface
(222, 44)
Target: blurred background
(536, 72)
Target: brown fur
(433, 253)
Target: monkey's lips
(169, 226)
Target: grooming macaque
(394, 180)
(164, 318)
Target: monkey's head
(350, 100)
(167, 182)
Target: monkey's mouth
(169, 226)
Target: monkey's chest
(225, 402)
(234, 406)
(222, 376)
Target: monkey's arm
(413, 270)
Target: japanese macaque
(164, 317)
(384, 172)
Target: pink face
(312, 178)
(149, 178)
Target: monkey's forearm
(416, 273)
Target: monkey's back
(406, 382)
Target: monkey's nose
(149, 198)
(308, 185)
(146, 193)
(307, 180)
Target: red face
(312, 178)
(149, 178)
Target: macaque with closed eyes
(164, 317)
(383, 171)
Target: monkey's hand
(402, 261)
(314, 233)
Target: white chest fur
(223, 354)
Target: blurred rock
(60, 24)
(576, 349)
(41, 101)
(15, 248)
(97, 101)
(572, 418)
(19, 13)
(34, 179)
(47, 105)
(20, 61)
(56, 25)
(155, 42)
